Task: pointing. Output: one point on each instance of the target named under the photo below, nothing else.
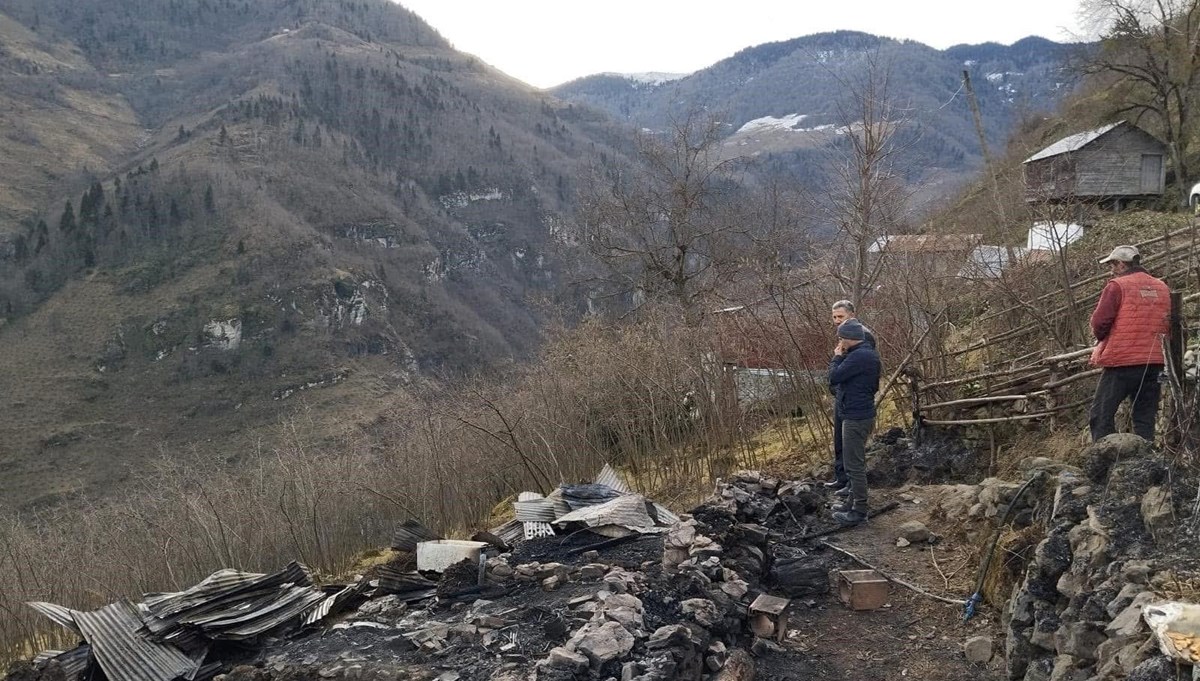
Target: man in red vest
(1130, 321)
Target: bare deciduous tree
(867, 194)
(671, 227)
(1153, 47)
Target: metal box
(862, 589)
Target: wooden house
(1108, 166)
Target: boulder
(914, 531)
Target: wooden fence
(1012, 379)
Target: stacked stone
(1077, 614)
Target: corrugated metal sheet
(609, 476)
(664, 516)
(511, 532)
(410, 586)
(627, 511)
(578, 496)
(335, 602)
(410, 533)
(535, 511)
(116, 635)
(1072, 142)
(73, 662)
(64, 617)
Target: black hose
(973, 601)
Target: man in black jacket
(840, 312)
(854, 375)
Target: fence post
(1175, 434)
(914, 385)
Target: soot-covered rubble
(649, 606)
(1112, 547)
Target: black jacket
(854, 377)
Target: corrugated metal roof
(1073, 142)
(116, 635)
(924, 243)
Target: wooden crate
(862, 589)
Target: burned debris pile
(618, 588)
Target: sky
(549, 42)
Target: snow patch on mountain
(650, 77)
(788, 122)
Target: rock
(1159, 668)
(1018, 652)
(702, 611)
(502, 570)
(565, 659)
(1100, 456)
(1053, 555)
(901, 542)
(609, 641)
(1066, 669)
(592, 571)
(1129, 624)
(735, 589)
(590, 556)
(551, 583)
(681, 535)
(1079, 639)
(1157, 513)
(1122, 600)
(978, 649)
(914, 531)
(1136, 571)
(1070, 584)
(1089, 541)
(739, 667)
(762, 647)
(1040, 669)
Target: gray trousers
(854, 455)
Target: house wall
(1110, 166)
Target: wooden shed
(1110, 166)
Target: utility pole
(987, 157)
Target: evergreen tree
(66, 224)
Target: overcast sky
(548, 42)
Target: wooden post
(1178, 421)
(914, 385)
(1051, 400)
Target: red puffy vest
(1142, 320)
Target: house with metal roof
(1108, 166)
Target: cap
(851, 330)
(1122, 253)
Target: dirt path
(912, 636)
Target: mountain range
(784, 100)
(222, 217)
